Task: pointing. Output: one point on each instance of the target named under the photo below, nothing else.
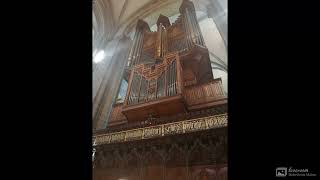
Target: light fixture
(99, 56)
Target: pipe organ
(163, 65)
(172, 122)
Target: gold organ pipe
(159, 34)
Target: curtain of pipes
(136, 49)
(143, 90)
(191, 25)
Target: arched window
(122, 91)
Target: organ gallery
(172, 122)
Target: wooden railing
(204, 93)
(162, 120)
(180, 127)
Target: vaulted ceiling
(113, 18)
(125, 13)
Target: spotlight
(99, 56)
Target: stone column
(190, 24)
(218, 13)
(107, 91)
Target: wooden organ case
(172, 124)
(168, 71)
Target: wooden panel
(117, 117)
(163, 106)
(149, 39)
(205, 93)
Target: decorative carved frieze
(180, 127)
(173, 128)
(194, 125)
(134, 134)
(154, 131)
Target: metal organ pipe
(164, 41)
(143, 89)
(130, 59)
(160, 85)
(179, 80)
(196, 27)
(170, 82)
(132, 94)
(137, 88)
(131, 49)
(191, 26)
(140, 47)
(172, 79)
(149, 94)
(160, 42)
(167, 81)
(175, 78)
(169, 85)
(136, 48)
(187, 31)
(195, 33)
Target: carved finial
(186, 4)
(142, 25)
(164, 20)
